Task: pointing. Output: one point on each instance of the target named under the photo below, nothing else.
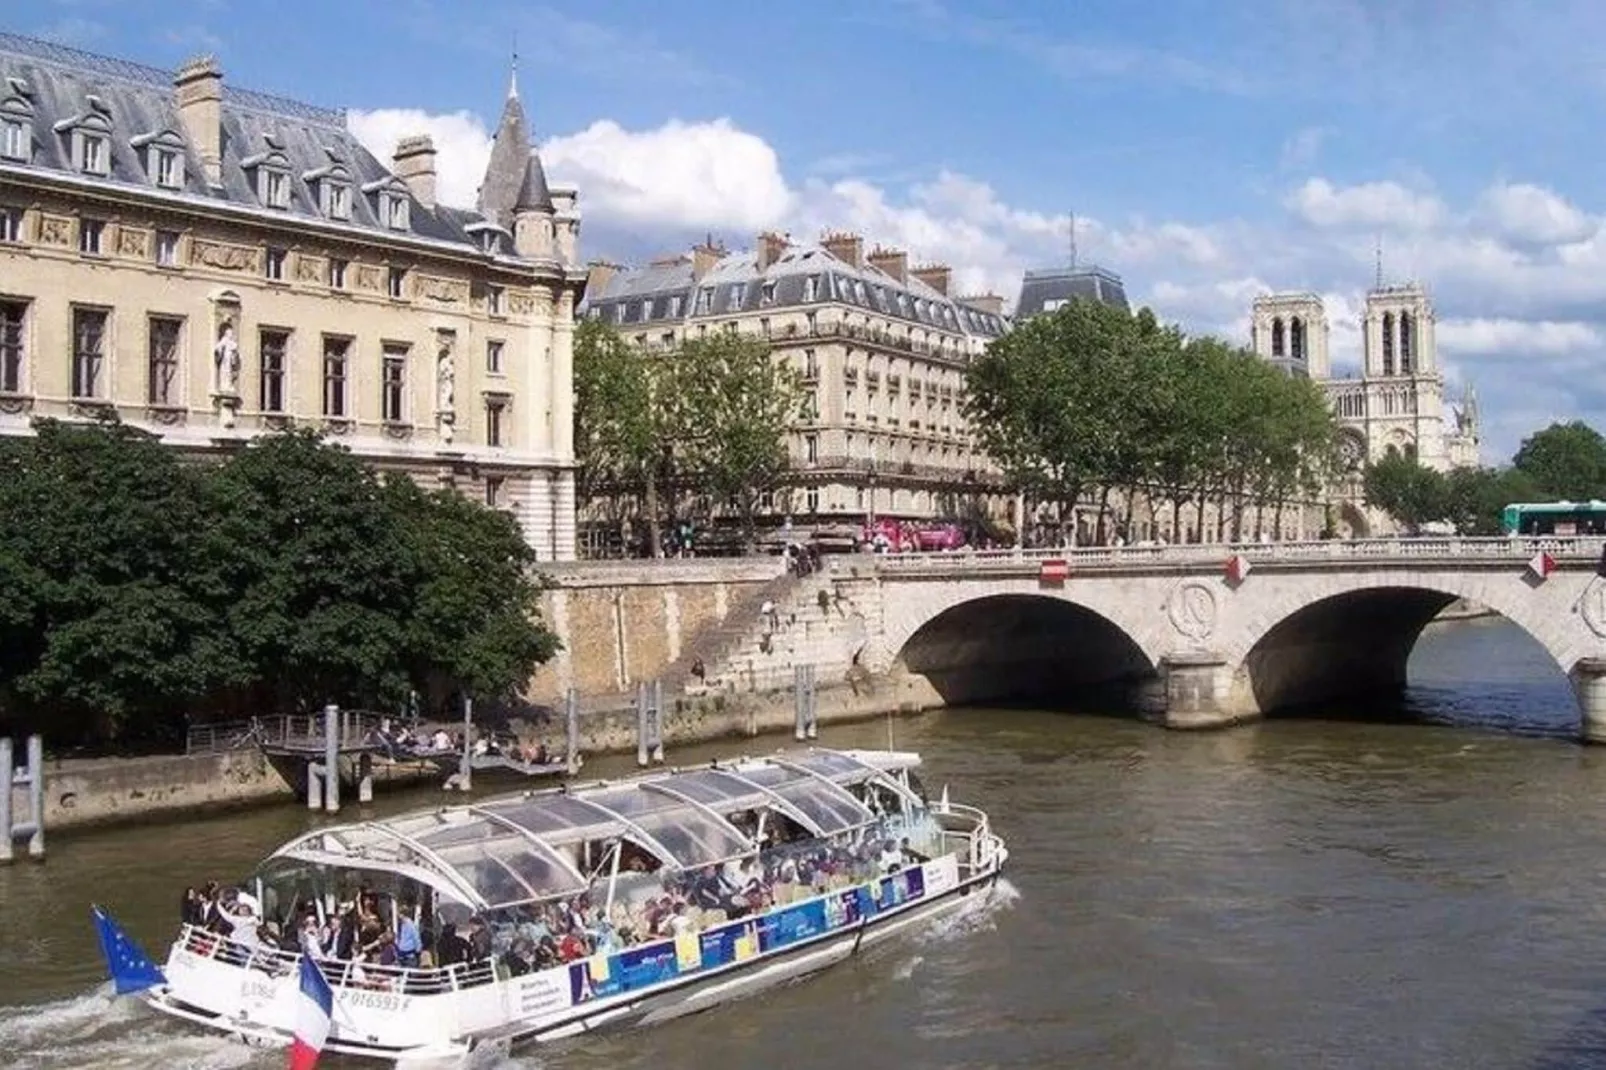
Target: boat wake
(97, 1031)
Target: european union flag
(131, 969)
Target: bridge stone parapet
(1208, 635)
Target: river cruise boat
(542, 915)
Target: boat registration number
(377, 1001)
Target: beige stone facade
(882, 347)
(211, 264)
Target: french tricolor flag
(314, 1007)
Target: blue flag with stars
(131, 969)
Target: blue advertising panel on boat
(720, 946)
(791, 925)
(628, 970)
(849, 907)
(901, 887)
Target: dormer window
(90, 136)
(391, 201)
(163, 155)
(333, 187)
(16, 123)
(270, 173)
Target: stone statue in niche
(226, 360)
(446, 381)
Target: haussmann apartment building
(211, 263)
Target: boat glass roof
(827, 805)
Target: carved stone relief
(55, 230)
(309, 268)
(133, 243)
(1592, 606)
(522, 302)
(445, 291)
(223, 257)
(368, 277)
(1192, 609)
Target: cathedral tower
(1290, 331)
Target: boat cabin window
(881, 798)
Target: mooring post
(331, 758)
(571, 730)
(811, 703)
(641, 724)
(799, 706)
(466, 766)
(657, 720)
(314, 786)
(6, 772)
(36, 796)
(365, 778)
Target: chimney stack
(199, 92)
(705, 256)
(598, 274)
(770, 247)
(414, 161)
(894, 262)
(849, 248)
(937, 276)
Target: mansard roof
(734, 285)
(1043, 290)
(257, 128)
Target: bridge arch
(1329, 638)
(1019, 643)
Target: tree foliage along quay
(1092, 403)
(697, 430)
(137, 589)
(1565, 461)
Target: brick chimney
(770, 247)
(705, 256)
(992, 304)
(414, 163)
(937, 276)
(198, 89)
(894, 262)
(849, 248)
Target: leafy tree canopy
(1565, 461)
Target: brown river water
(1411, 886)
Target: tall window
(1296, 339)
(336, 364)
(162, 360)
(275, 189)
(811, 364)
(494, 411)
(396, 285)
(13, 327)
(1388, 343)
(273, 349)
(393, 385)
(493, 300)
(10, 224)
(273, 265)
(166, 248)
(15, 139)
(90, 232)
(1407, 342)
(493, 491)
(89, 350)
(337, 274)
(93, 153)
(811, 449)
(493, 356)
(167, 172)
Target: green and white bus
(1554, 518)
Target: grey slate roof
(1045, 290)
(533, 192)
(509, 170)
(56, 82)
(647, 295)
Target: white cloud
(1517, 273)
(1530, 214)
(462, 145)
(1371, 204)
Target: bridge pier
(1199, 691)
(1589, 684)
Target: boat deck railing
(340, 973)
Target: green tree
(113, 625)
(1565, 460)
(474, 623)
(731, 404)
(1476, 497)
(620, 432)
(1409, 492)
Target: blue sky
(1210, 150)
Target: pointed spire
(504, 173)
(533, 193)
(513, 75)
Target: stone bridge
(1200, 635)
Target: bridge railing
(1435, 548)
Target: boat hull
(696, 990)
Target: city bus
(1554, 518)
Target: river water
(1418, 886)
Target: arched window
(1407, 343)
(1388, 343)
(1277, 337)
(1296, 338)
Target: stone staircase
(827, 619)
(718, 642)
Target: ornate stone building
(882, 346)
(1397, 403)
(211, 263)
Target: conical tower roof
(534, 192)
(505, 173)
